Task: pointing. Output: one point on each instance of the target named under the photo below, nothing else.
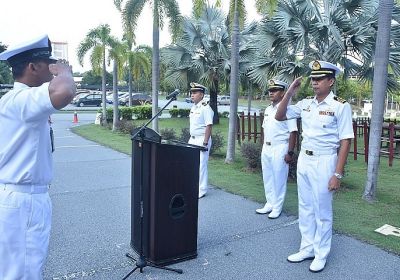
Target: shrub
(217, 142)
(185, 135)
(142, 112)
(223, 114)
(251, 152)
(168, 133)
(179, 113)
(293, 167)
(126, 113)
(126, 126)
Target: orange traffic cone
(75, 117)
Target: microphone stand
(141, 261)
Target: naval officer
(201, 121)
(42, 86)
(277, 151)
(327, 133)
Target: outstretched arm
(62, 87)
(294, 87)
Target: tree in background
(117, 55)
(91, 78)
(200, 54)
(162, 9)
(5, 72)
(236, 19)
(378, 96)
(99, 40)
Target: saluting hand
(294, 87)
(60, 67)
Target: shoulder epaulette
(204, 103)
(339, 99)
(310, 97)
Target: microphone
(172, 94)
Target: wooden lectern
(166, 203)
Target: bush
(168, 133)
(126, 113)
(185, 135)
(223, 114)
(179, 113)
(142, 112)
(251, 152)
(126, 126)
(110, 114)
(217, 142)
(293, 167)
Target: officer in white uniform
(327, 133)
(42, 85)
(201, 121)
(277, 152)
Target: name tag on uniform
(327, 113)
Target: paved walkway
(91, 228)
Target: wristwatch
(290, 153)
(205, 144)
(338, 175)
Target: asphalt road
(91, 228)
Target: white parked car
(223, 100)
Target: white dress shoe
(300, 256)
(202, 194)
(317, 265)
(274, 214)
(265, 210)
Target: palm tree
(139, 63)
(237, 16)
(378, 97)
(99, 40)
(200, 54)
(161, 9)
(117, 54)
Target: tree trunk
(214, 90)
(378, 96)
(103, 89)
(115, 98)
(234, 79)
(155, 72)
(130, 85)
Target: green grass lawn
(352, 215)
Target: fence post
(261, 127)
(366, 139)
(355, 140)
(238, 129)
(248, 126)
(243, 129)
(255, 127)
(391, 141)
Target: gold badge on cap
(316, 65)
(271, 82)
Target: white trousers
(25, 222)
(203, 169)
(275, 172)
(315, 202)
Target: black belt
(309, 153)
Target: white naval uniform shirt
(201, 115)
(25, 145)
(276, 131)
(324, 124)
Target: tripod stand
(140, 135)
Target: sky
(70, 20)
